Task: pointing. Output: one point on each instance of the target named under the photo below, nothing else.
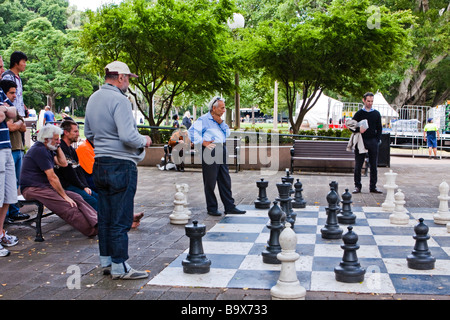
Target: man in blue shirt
(211, 132)
(48, 115)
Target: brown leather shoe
(375, 191)
(357, 190)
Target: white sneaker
(9, 241)
(4, 252)
(130, 275)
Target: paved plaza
(48, 270)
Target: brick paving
(43, 270)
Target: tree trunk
(411, 91)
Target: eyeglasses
(217, 99)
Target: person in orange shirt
(178, 142)
(85, 153)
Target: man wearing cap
(430, 135)
(110, 125)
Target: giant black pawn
(349, 270)
(289, 179)
(331, 230)
(286, 202)
(196, 261)
(346, 216)
(262, 202)
(275, 225)
(292, 215)
(298, 201)
(421, 258)
(335, 185)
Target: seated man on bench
(38, 181)
(72, 177)
(179, 143)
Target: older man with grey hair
(211, 132)
(38, 181)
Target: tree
(422, 78)
(336, 49)
(174, 46)
(55, 63)
(15, 14)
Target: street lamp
(237, 22)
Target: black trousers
(372, 146)
(215, 171)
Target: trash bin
(384, 152)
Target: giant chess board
(234, 246)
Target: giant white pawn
(443, 214)
(179, 215)
(399, 216)
(288, 286)
(388, 205)
(185, 189)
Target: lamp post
(237, 22)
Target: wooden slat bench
(321, 154)
(40, 214)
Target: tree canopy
(334, 49)
(184, 51)
(174, 46)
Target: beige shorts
(8, 183)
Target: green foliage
(421, 77)
(334, 49)
(55, 63)
(174, 46)
(184, 51)
(15, 14)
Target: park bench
(233, 148)
(40, 214)
(321, 154)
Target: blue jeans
(17, 156)
(92, 199)
(116, 182)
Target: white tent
(380, 104)
(325, 108)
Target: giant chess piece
(262, 202)
(349, 270)
(196, 261)
(346, 216)
(421, 258)
(184, 187)
(286, 202)
(179, 215)
(335, 185)
(331, 230)
(277, 217)
(298, 201)
(289, 204)
(443, 214)
(288, 286)
(289, 179)
(388, 204)
(399, 215)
